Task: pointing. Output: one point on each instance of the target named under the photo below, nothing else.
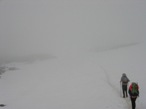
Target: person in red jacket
(134, 93)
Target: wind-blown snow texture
(80, 81)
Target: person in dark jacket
(134, 93)
(124, 81)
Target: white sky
(54, 26)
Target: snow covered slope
(77, 81)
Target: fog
(60, 27)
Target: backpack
(134, 89)
(125, 80)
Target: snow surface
(85, 80)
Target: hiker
(134, 93)
(124, 81)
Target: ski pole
(120, 89)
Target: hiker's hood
(123, 74)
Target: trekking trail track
(115, 89)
